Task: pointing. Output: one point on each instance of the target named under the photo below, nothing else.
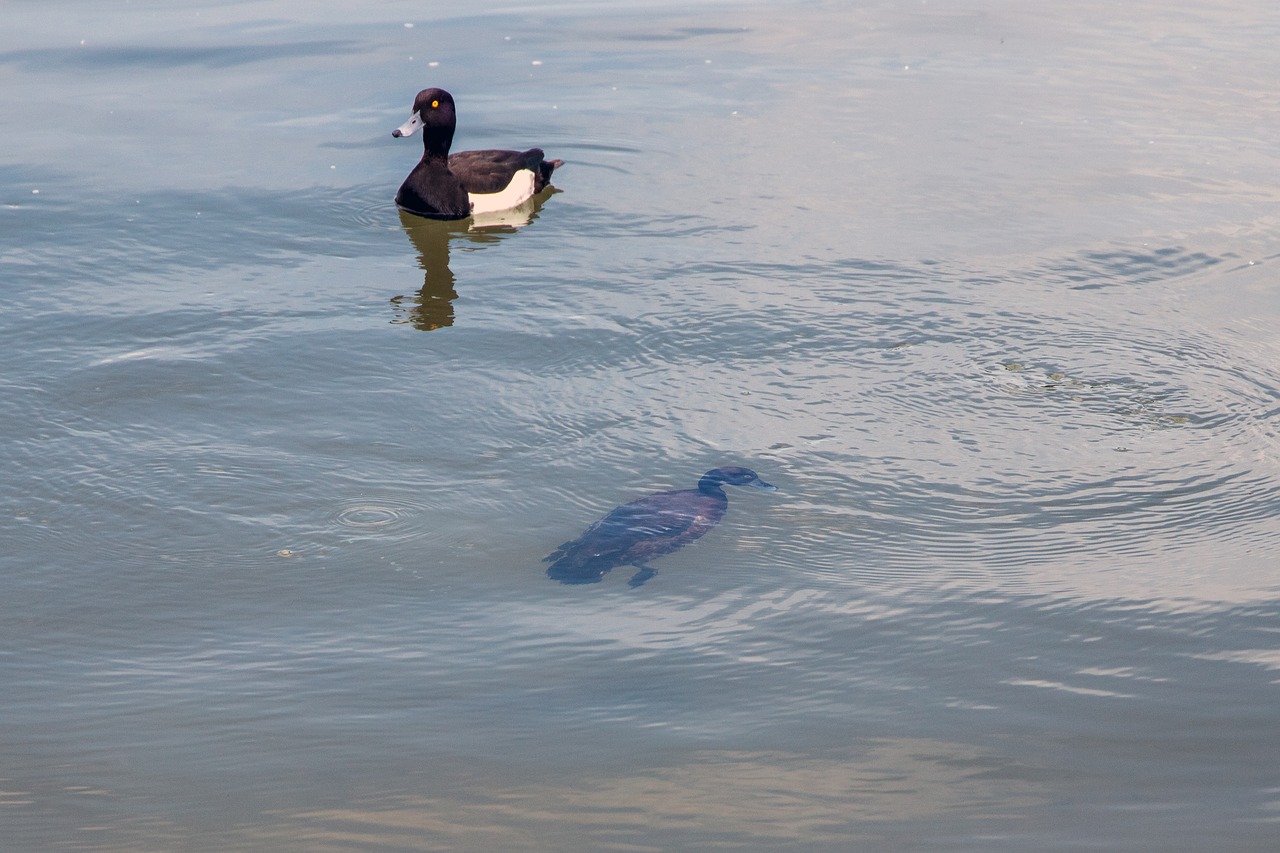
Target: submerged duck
(655, 525)
(442, 186)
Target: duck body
(445, 186)
(650, 527)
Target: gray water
(987, 289)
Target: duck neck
(435, 146)
(713, 486)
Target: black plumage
(654, 525)
(444, 186)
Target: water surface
(987, 290)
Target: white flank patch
(520, 189)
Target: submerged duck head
(732, 476)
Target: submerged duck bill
(407, 129)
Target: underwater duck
(445, 186)
(654, 525)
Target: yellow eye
(435, 104)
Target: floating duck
(445, 186)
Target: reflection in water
(432, 308)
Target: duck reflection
(654, 525)
(432, 306)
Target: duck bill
(407, 129)
(761, 484)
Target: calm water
(988, 289)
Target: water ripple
(940, 425)
(365, 516)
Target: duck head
(732, 476)
(434, 112)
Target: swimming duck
(455, 187)
(649, 527)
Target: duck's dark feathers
(444, 186)
(654, 525)
(490, 171)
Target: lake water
(987, 289)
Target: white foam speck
(408, 26)
(537, 62)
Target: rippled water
(987, 291)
